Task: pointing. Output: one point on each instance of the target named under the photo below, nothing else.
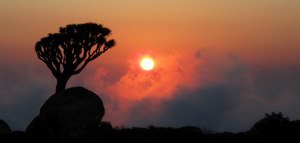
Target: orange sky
(259, 31)
(201, 47)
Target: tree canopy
(68, 52)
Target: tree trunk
(61, 84)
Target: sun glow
(147, 63)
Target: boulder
(68, 116)
(4, 128)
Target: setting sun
(150, 70)
(147, 63)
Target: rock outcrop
(4, 128)
(68, 116)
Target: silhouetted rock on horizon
(4, 128)
(272, 124)
(69, 115)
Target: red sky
(196, 44)
(259, 31)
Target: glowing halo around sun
(147, 63)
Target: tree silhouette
(68, 52)
(275, 123)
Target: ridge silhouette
(281, 130)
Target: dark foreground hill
(289, 132)
(262, 132)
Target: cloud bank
(213, 90)
(209, 89)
